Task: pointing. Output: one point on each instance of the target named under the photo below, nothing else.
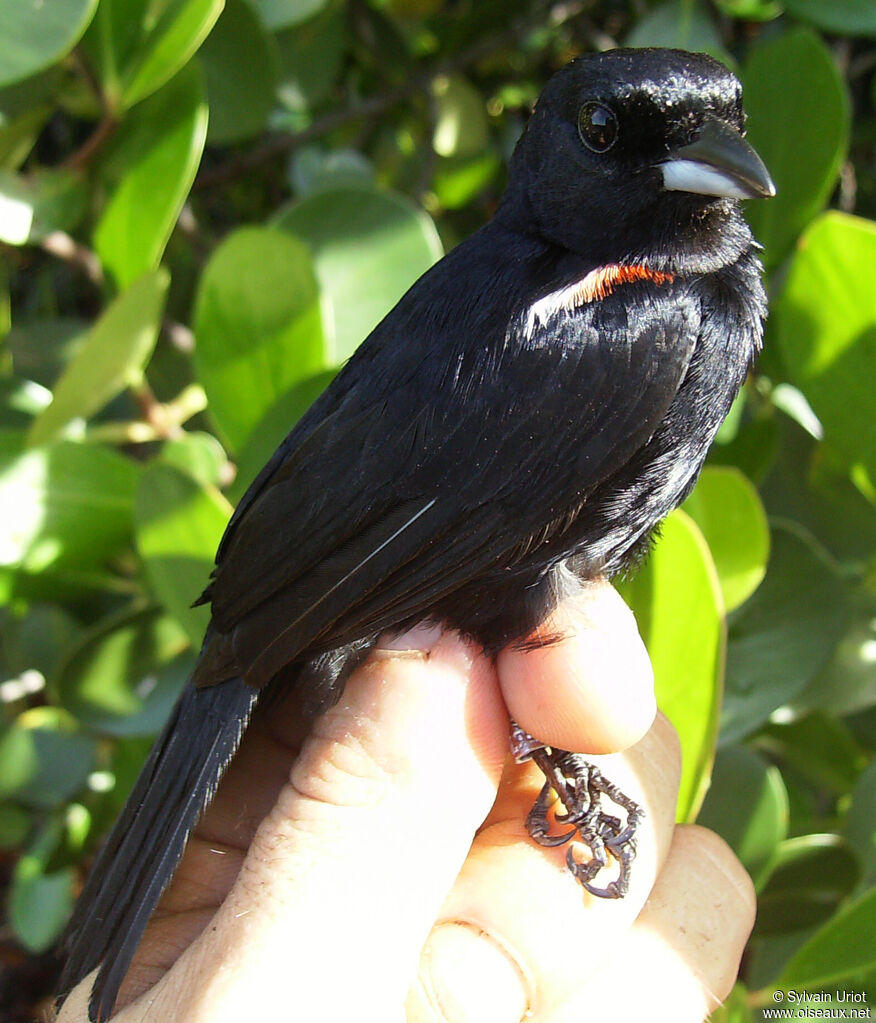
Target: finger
(517, 932)
(685, 947)
(591, 687)
(370, 831)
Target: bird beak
(719, 162)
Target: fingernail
(467, 977)
(417, 641)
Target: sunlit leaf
(240, 62)
(826, 327)
(368, 248)
(198, 455)
(677, 602)
(747, 805)
(179, 525)
(311, 57)
(258, 325)
(125, 673)
(810, 876)
(156, 157)
(849, 17)
(278, 14)
(684, 24)
(783, 635)
(66, 505)
(794, 64)
(844, 947)
(860, 826)
(15, 823)
(34, 205)
(275, 424)
(40, 903)
(137, 46)
(460, 118)
(36, 34)
(111, 357)
(56, 759)
(729, 512)
(750, 10)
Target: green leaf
(848, 682)
(368, 248)
(844, 946)
(276, 423)
(311, 57)
(67, 505)
(750, 10)
(198, 455)
(747, 805)
(33, 206)
(677, 602)
(125, 673)
(811, 875)
(826, 329)
(728, 510)
(138, 45)
(820, 748)
(805, 153)
(158, 152)
(57, 759)
(258, 325)
(36, 641)
(18, 759)
(179, 525)
(15, 824)
(18, 135)
(845, 17)
(40, 903)
(460, 118)
(240, 62)
(735, 1009)
(41, 349)
(277, 14)
(680, 23)
(783, 636)
(458, 181)
(111, 357)
(809, 484)
(860, 826)
(36, 34)
(312, 168)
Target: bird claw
(580, 787)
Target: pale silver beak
(718, 162)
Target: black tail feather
(142, 851)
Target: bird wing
(425, 466)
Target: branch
(61, 245)
(278, 145)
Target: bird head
(638, 154)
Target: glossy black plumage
(488, 436)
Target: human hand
(389, 875)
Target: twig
(162, 421)
(277, 145)
(95, 141)
(61, 245)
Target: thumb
(347, 873)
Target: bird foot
(580, 787)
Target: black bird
(529, 411)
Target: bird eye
(597, 127)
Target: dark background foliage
(205, 207)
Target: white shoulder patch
(593, 287)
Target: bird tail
(142, 851)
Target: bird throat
(593, 287)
